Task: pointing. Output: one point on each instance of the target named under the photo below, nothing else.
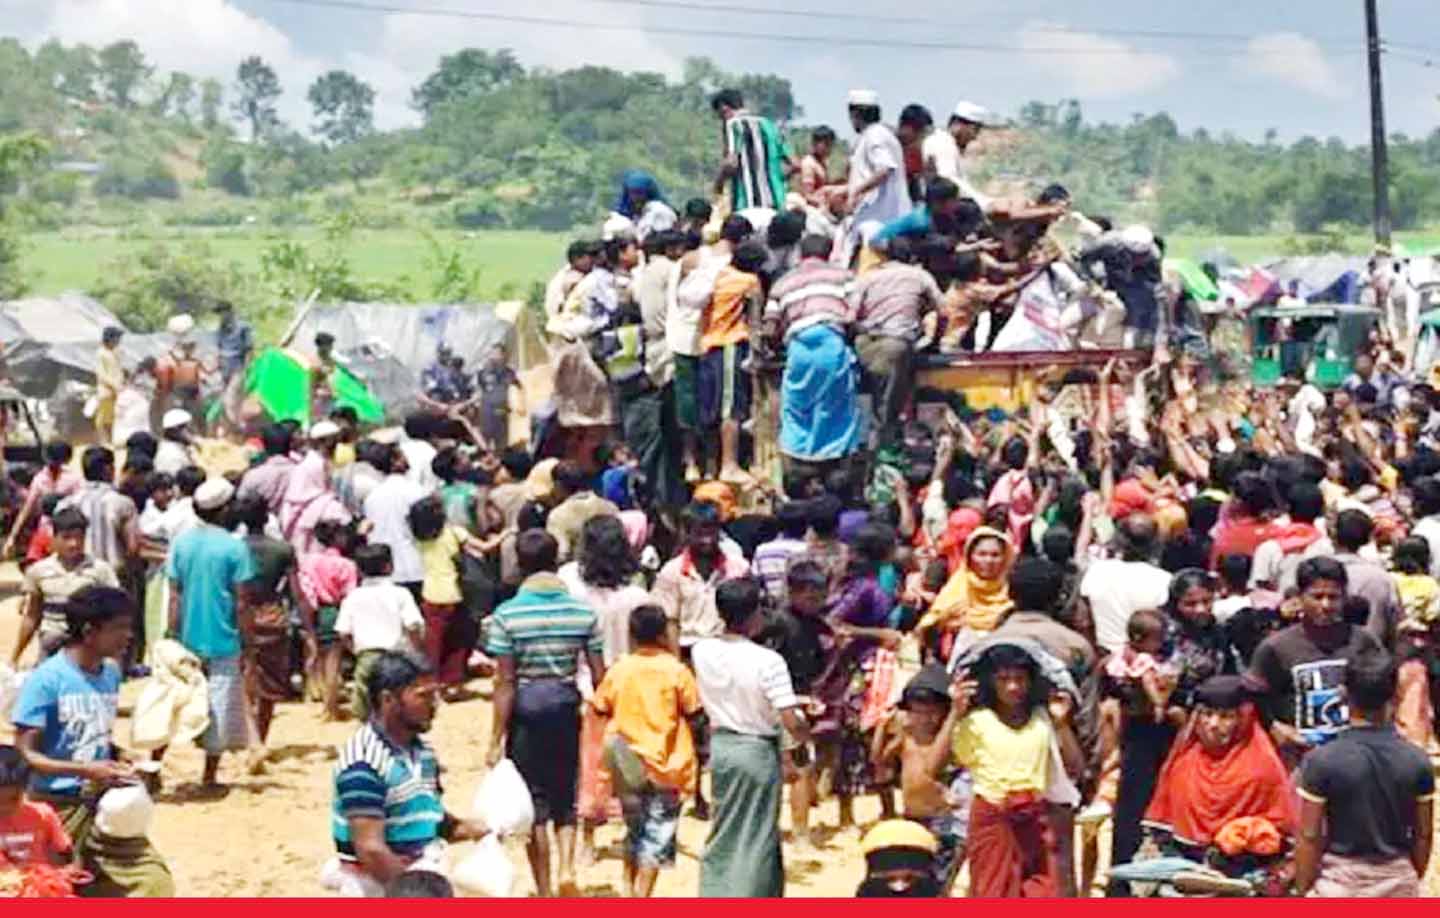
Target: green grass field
(74, 259)
(509, 261)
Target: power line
(833, 40)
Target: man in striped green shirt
(536, 640)
(757, 159)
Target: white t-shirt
(388, 508)
(376, 615)
(743, 686)
(171, 457)
(419, 454)
(943, 159)
(878, 150)
(1117, 590)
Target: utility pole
(1379, 156)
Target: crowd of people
(1158, 629)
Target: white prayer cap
(974, 113)
(863, 97)
(616, 226)
(213, 494)
(324, 429)
(180, 325)
(1137, 239)
(175, 417)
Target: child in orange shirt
(725, 346)
(30, 832)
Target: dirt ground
(270, 834)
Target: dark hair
(940, 191)
(1412, 555)
(647, 624)
(1355, 474)
(786, 229)
(94, 606)
(1183, 582)
(382, 457)
(419, 884)
(822, 133)
(815, 246)
(803, 574)
(98, 464)
(139, 464)
(419, 425)
(1036, 585)
(14, 770)
(69, 520)
(536, 551)
(1427, 496)
(1307, 501)
(736, 229)
(446, 465)
(873, 544)
(1312, 570)
(1137, 537)
(253, 511)
(1015, 453)
(111, 333)
(1144, 623)
(158, 481)
(899, 249)
(1057, 545)
(737, 600)
(825, 515)
(1006, 656)
(58, 452)
(699, 513)
(141, 441)
(1353, 529)
(727, 98)
(1053, 193)
(750, 257)
(868, 114)
(657, 243)
(1371, 678)
(1235, 571)
(572, 476)
(1254, 492)
(518, 463)
(1366, 394)
(346, 413)
(698, 209)
(334, 534)
(278, 439)
(392, 672)
(966, 267)
(189, 479)
(916, 116)
(324, 339)
(604, 553)
(578, 249)
(531, 515)
(427, 518)
(794, 519)
(374, 559)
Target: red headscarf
(963, 521)
(1198, 794)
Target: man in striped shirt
(387, 807)
(757, 159)
(889, 304)
(536, 640)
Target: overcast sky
(1297, 66)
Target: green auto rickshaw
(1311, 341)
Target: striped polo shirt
(544, 629)
(815, 292)
(375, 779)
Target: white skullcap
(324, 429)
(175, 417)
(213, 494)
(973, 112)
(1137, 239)
(863, 97)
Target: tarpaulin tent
(1197, 283)
(1322, 278)
(279, 380)
(51, 340)
(411, 333)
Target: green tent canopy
(1197, 283)
(280, 381)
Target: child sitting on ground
(376, 616)
(30, 831)
(935, 794)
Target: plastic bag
(486, 870)
(503, 801)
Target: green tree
(122, 69)
(74, 70)
(344, 107)
(257, 88)
(465, 73)
(176, 96)
(212, 97)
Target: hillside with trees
(101, 138)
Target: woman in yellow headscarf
(977, 596)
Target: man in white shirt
(419, 451)
(748, 697)
(944, 151)
(1117, 588)
(174, 451)
(388, 510)
(377, 616)
(877, 192)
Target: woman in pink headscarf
(1015, 491)
(309, 498)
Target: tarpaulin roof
(48, 340)
(1324, 278)
(411, 333)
